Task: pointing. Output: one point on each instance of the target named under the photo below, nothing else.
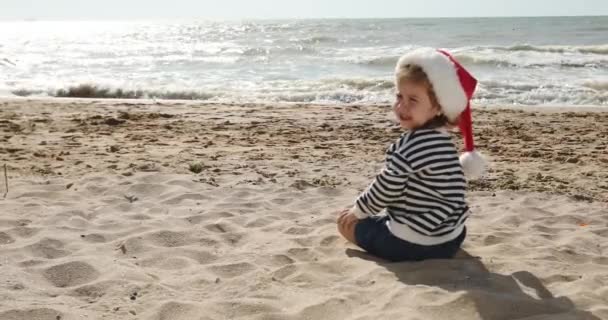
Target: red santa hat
(454, 87)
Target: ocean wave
(599, 85)
(26, 92)
(99, 92)
(495, 60)
(505, 61)
(596, 29)
(321, 93)
(491, 85)
(278, 50)
(262, 27)
(315, 40)
(379, 61)
(597, 49)
(325, 97)
(339, 91)
(360, 84)
(253, 52)
(7, 63)
(495, 92)
(472, 59)
(540, 98)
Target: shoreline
(151, 101)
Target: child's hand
(346, 224)
(345, 215)
(343, 212)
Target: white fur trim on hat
(443, 76)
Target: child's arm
(412, 153)
(385, 189)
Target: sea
(531, 61)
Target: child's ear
(437, 110)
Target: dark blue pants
(373, 236)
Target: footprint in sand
(134, 245)
(259, 222)
(601, 260)
(5, 238)
(94, 238)
(332, 308)
(146, 189)
(305, 241)
(227, 231)
(207, 242)
(200, 256)
(233, 239)
(282, 201)
(71, 274)
(186, 197)
(48, 248)
(302, 254)
(244, 309)
(599, 232)
(25, 232)
(31, 314)
(298, 231)
(232, 270)
(215, 215)
(139, 217)
(195, 219)
(281, 260)
(166, 238)
(166, 263)
(329, 241)
(284, 272)
(178, 311)
(30, 263)
(96, 290)
(492, 240)
(220, 227)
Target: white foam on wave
(595, 49)
(597, 84)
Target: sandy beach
(138, 209)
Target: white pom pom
(473, 164)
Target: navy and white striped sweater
(422, 187)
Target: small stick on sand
(5, 181)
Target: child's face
(413, 107)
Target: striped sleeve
(388, 185)
(412, 153)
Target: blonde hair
(415, 74)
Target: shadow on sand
(520, 295)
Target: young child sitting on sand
(422, 185)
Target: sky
(285, 9)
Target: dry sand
(104, 220)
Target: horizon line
(44, 19)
